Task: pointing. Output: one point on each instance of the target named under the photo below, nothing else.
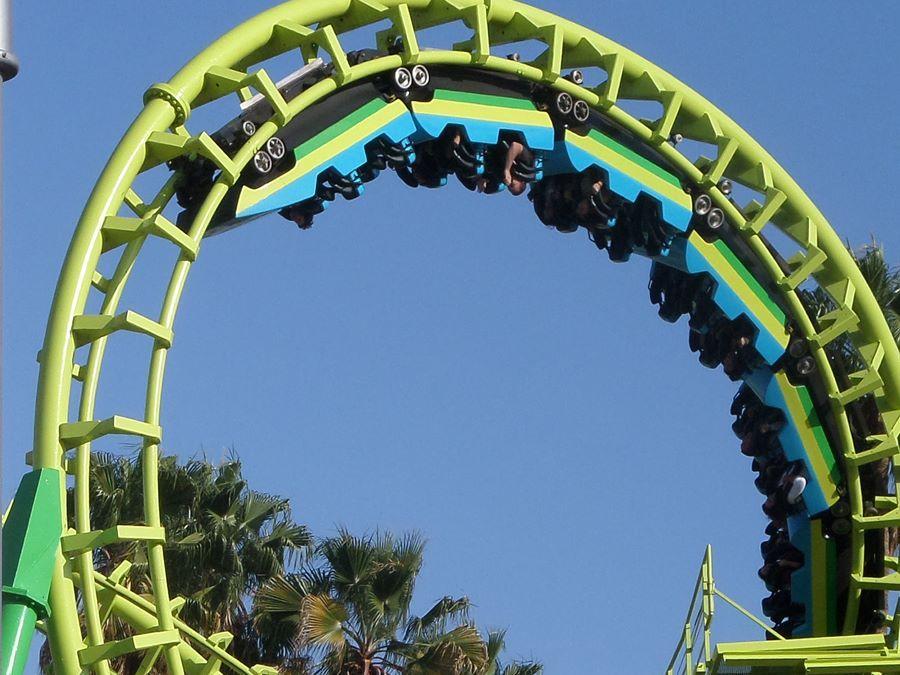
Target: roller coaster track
(118, 220)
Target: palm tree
(224, 541)
(884, 280)
(496, 643)
(233, 540)
(350, 612)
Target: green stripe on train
(631, 155)
(484, 99)
(339, 127)
(819, 433)
(751, 281)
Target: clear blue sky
(439, 361)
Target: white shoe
(798, 485)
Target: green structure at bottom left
(31, 535)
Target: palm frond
(281, 595)
(444, 610)
(455, 652)
(350, 558)
(323, 621)
(526, 668)
(884, 281)
(317, 580)
(495, 644)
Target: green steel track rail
(117, 220)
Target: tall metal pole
(17, 617)
(9, 67)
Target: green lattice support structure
(118, 220)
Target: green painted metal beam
(31, 536)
